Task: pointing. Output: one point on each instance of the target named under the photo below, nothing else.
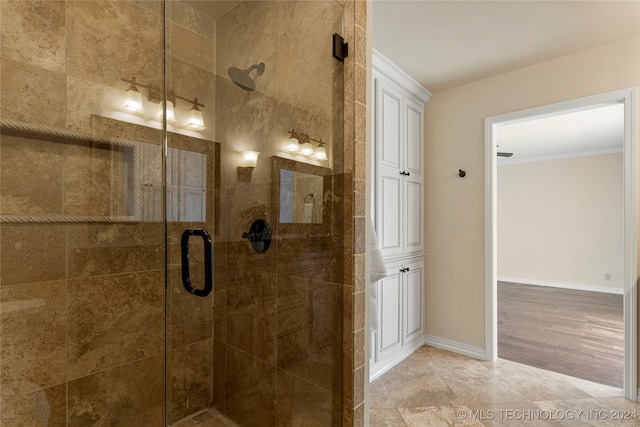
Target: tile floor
(208, 418)
(435, 387)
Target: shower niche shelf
(58, 168)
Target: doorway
(627, 98)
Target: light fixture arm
(155, 94)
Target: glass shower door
(125, 124)
(265, 348)
(82, 246)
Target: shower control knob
(259, 236)
(250, 236)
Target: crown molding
(601, 152)
(383, 65)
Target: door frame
(628, 97)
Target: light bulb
(133, 100)
(320, 152)
(251, 159)
(306, 148)
(195, 120)
(292, 145)
(171, 114)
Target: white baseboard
(574, 286)
(456, 347)
(377, 369)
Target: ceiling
(443, 44)
(596, 130)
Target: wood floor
(576, 333)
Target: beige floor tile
(435, 387)
(386, 417)
(410, 391)
(591, 388)
(508, 414)
(480, 386)
(438, 416)
(379, 395)
(588, 412)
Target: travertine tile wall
(355, 137)
(82, 305)
(278, 318)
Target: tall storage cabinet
(398, 212)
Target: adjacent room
(560, 243)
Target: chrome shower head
(242, 77)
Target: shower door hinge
(340, 48)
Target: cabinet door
(389, 157)
(389, 319)
(413, 113)
(413, 300)
(412, 182)
(412, 215)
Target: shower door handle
(208, 262)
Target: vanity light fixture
(171, 113)
(250, 159)
(301, 143)
(306, 148)
(320, 152)
(195, 121)
(292, 145)
(133, 104)
(133, 98)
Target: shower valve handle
(250, 236)
(259, 236)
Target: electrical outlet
(607, 276)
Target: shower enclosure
(141, 143)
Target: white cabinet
(398, 169)
(389, 313)
(412, 299)
(397, 301)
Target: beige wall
(560, 222)
(454, 139)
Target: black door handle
(208, 262)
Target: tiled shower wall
(278, 317)
(288, 325)
(355, 168)
(82, 314)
